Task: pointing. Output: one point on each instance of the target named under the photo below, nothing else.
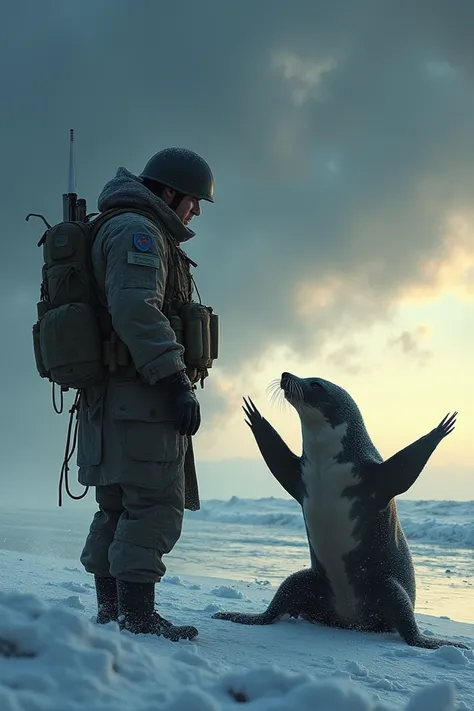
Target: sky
(341, 240)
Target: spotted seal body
(361, 575)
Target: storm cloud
(340, 136)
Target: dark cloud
(411, 344)
(340, 135)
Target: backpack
(73, 331)
(73, 340)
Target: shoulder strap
(97, 223)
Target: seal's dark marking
(361, 574)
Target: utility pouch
(40, 366)
(214, 327)
(200, 335)
(70, 345)
(178, 327)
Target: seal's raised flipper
(283, 464)
(399, 610)
(397, 474)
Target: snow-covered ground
(265, 540)
(68, 663)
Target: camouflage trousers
(132, 530)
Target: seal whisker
(274, 385)
(278, 398)
(276, 394)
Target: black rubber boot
(137, 613)
(107, 600)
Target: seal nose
(285, 379)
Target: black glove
(184, 404)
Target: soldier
(135, 429)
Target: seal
(361, 575)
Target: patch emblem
(142, 241)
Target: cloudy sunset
(334, 239)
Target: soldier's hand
(188, 412)
(184, 403)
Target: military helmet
(183, 171)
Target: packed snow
(55, 658)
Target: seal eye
(315, 384)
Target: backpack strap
(102, 217)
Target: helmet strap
(175, 202)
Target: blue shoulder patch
(142, 241)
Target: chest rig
(196, 326)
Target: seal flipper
(283, 464)
(399, 611)
(398, 473)
(302, 594)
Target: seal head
(323, 406)
(308, 395)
